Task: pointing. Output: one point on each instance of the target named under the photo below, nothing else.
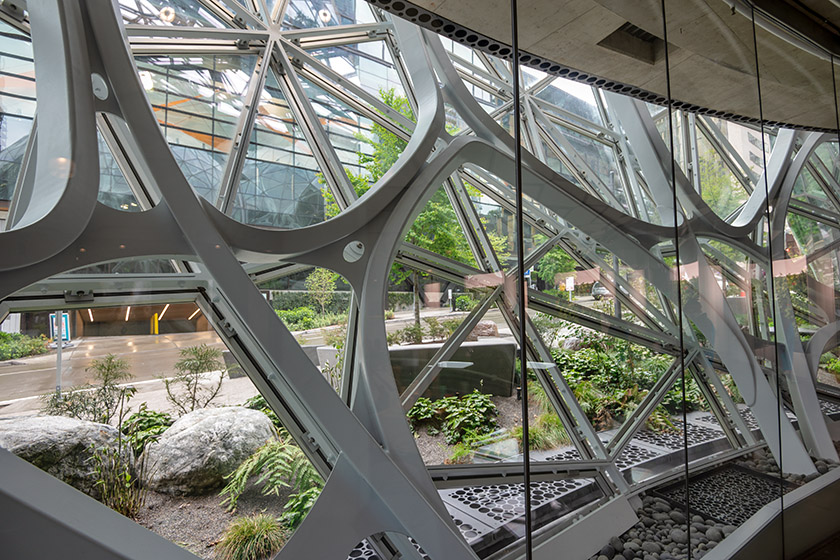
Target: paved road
(148, 356)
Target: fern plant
(277, 464)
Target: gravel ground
(198, 522)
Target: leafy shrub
(833, 367)
(259, 403)
(412, 334)
(451, 325)
(279, 464)
(393, 338)
(98, 403)
(423, 412)
(305, 318)
(16, 345)
(144, 427)
(255, 537)
(465, 302)
(435, 329)
(291, 299)
(185, 390)
(460, 418)
(298, 319)
(119, 487)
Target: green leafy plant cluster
(120, 483)
(833, 367)
(460, 418)
(278, 464)
(465, 302)
(102, 401)
(144, 427)
(283, 300)
(610, 378)
(305, 318)
(254, 537)
(16, 345)
(435, 329)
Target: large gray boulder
(61, 446)
(202, 447)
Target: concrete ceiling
(711, 48)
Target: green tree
(555, 262)
(718, 186)
(321, 286)
(436, 228)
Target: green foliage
(423, 412)
(283, 300)
(719, 187)
(298, 506)
(833, 367)
(256, 537)
(435, 329)
(277, 464)
(119, 487)
(461, 418)
(546, 432)
(144, 427)
(16, 345)
(412, 334)
(258, 402)
(321, 285)
(393, 338)
(462, 453)
(556, 261)
(610, 377)
(185, 390)
(465, 302)
(101, 402)
(298, 319)
(451, 325)
(549, 328)
(305, 318)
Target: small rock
(679, 536)
(714, 534)
(651, 547)
(822, 468)
(677, 516)
(572, 343)
(616, 543)
(484, 328)
(607, 552)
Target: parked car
(599, 291)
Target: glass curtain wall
(495, 273)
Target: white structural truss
(198, 135)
